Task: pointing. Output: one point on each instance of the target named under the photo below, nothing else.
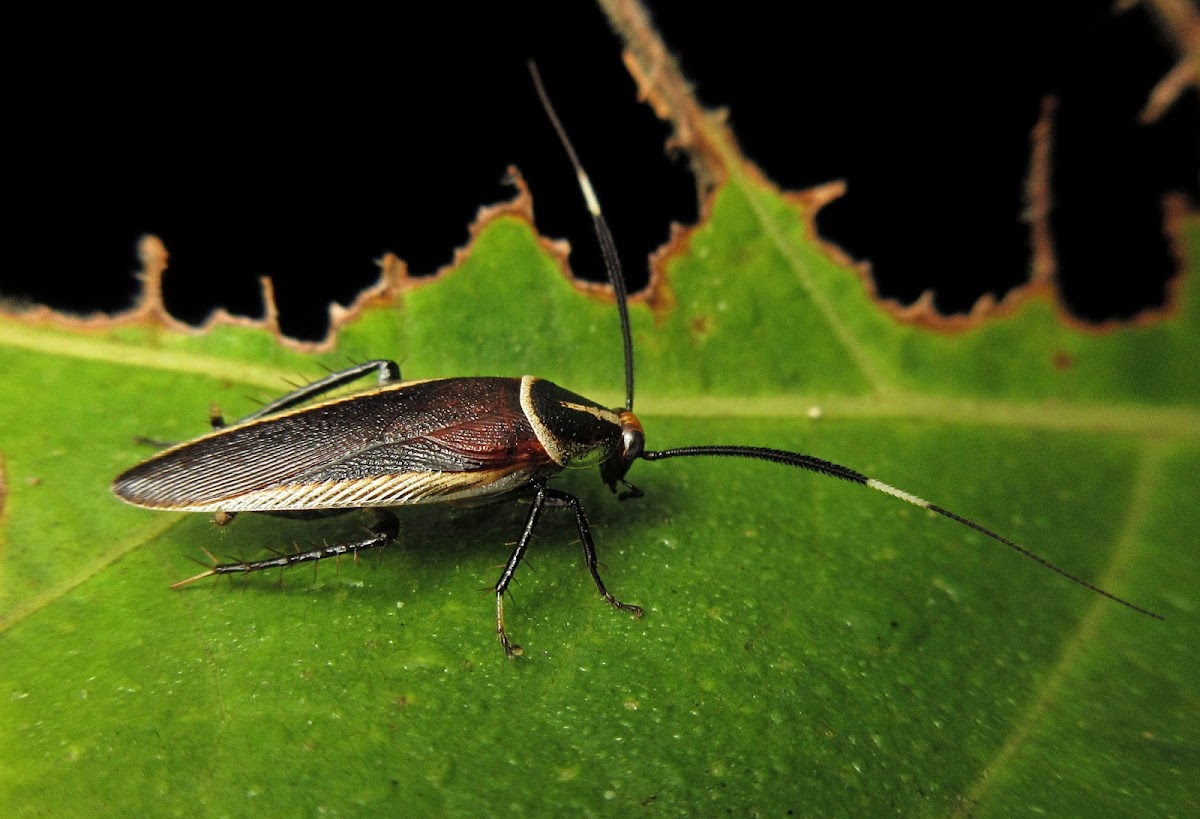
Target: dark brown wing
(417, 442)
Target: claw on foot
(212, 570)
(511, 649)
(180, 584)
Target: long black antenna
(845, 473)
(608, 249)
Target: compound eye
(633, 442)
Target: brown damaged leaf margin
(150, 311)
(1179, 21)
(1039, 194)
(1043, 273)
(1043, 263)
(716, 157)
(656, 295)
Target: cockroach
(444, 440)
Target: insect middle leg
(383, 533)
(553, 497)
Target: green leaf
(809, 646)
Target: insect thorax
(575, 431)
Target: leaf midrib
(1041, 702)
(1160, 422)
(87, 571)
(860, 355)
(1164, 422)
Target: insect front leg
(589, 548)
(383, 533)
(554, 497)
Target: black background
(303, 146)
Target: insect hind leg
(383, 533)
